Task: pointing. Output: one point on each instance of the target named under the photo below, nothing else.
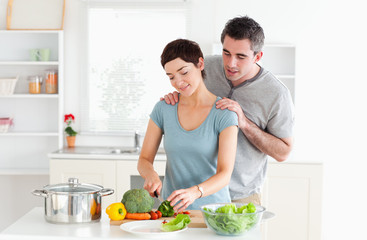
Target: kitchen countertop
(105, 153)
(33, 226)
(101, 153)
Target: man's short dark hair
(240, 28)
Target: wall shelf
(29, 31)
(38, 118)
(30, 63)
(29, 134)
(26, 95)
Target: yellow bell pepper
(93, 207)
(116, 211)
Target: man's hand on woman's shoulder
(170, 98)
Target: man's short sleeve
(281, 123)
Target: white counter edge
(160, 157)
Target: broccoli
(137, 201)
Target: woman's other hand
(182, 198)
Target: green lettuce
(231, 221)
(249, 208)
(180, 222)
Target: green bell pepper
(166, 209)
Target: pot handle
(106, 192)
(40, 193)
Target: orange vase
(71, 141)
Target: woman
(199, 139)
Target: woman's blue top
(192, 155)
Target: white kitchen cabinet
(293, 191)
(38, 118)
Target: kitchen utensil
(197, 220)
(158, 197)
(231, 224)
(73, 202)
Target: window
(123, 75)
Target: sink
(132, 150)
(100, 150)
(122, 151)
(104, 150)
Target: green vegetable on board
(166, 209)
(137, 201)
(180, 222)
(232, 220)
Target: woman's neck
(201, 97)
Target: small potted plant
(70, 138)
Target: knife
(160, 199)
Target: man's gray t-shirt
(266, 102)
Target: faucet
(137, 141)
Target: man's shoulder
(214, 67)
(213, 59)
(271, 81)
(276, 91)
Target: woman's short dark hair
(187, 50)
(240, 28)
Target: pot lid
(73, 186)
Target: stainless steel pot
(73, 202)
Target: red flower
(69, 119)
(67, 116)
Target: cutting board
(197, 220)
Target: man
(262, 103)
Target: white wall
(331, 39)
(16, 199)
